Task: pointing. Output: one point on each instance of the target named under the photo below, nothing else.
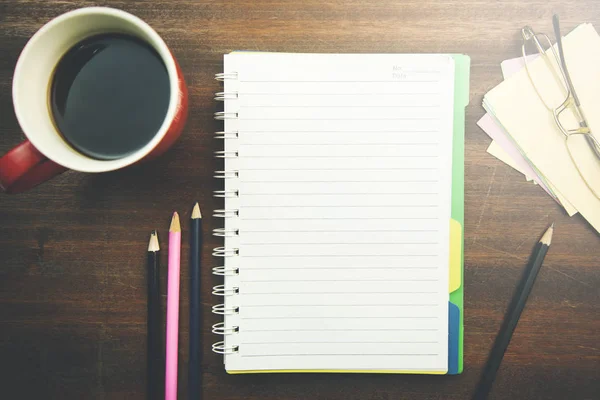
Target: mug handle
(24, 167)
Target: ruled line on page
(396, 156)
(337, 106)
(340, 193)
(344, 330)
(351, 342)
(338, 131)
(339, 280)
(320, 267)
(335, 243)
(339, 317)
(336, 81)
(344, 218)
(356, 181)
(344, 305)
(336, 255)
(343, 206)
(347, 169)
(336, 354)
(341, 94)
(345, 144)
(245, 293)
(347, 230)
(344, 119)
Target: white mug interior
(35, 69)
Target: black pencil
(195, 375)
(154, 353)
(512, 315)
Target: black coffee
(109, 95)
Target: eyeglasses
(553, 85)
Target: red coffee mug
(45, 153)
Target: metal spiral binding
(227, 194)
(222, 232)
(226, 174)
(224, 76)
(221, 348)
(222, 213)
(230, 214)
(221, 290)
(221, 309)
(226, 135)
(222, 96)
(222, 115)
(221, 329)
(224, 271)
(225, 252)
(226, 154)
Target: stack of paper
(524, 133)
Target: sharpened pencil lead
(175, 226)
(153, 244)
(547, 237)
(196, 212)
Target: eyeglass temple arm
(563, 63)
(529, 34)
(590, 139)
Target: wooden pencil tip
(547, 237)
(175, 226)
(153, 244)
(196, 212)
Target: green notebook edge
(462, 65)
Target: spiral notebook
(343, 212)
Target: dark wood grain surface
(72, 281)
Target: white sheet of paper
(344, 179)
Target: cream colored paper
(531, 125)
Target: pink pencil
(173, 309)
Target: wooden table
(72, 281)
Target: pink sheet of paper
(500, 136)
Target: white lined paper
(327, 325)
(343, 175)
(338, 237)
(337, 88)
(326, 274)
(251, 100)
(342, 261)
